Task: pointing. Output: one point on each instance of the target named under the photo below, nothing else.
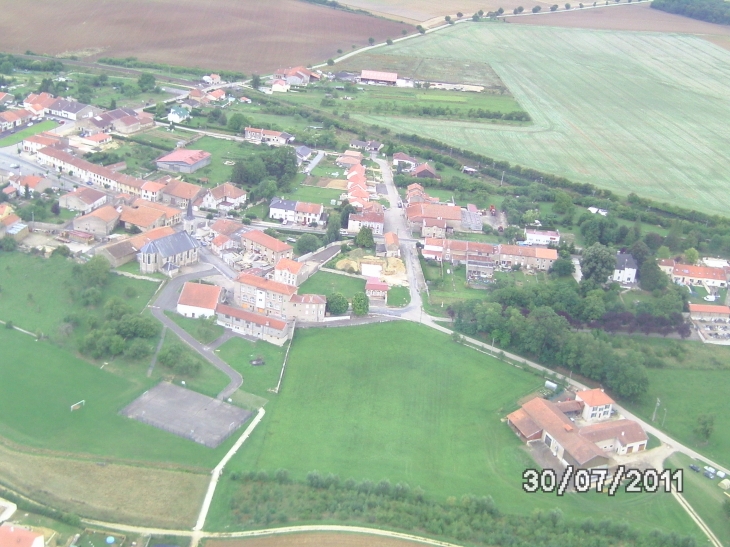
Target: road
(167, 300)
(314, 162)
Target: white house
(225, 197)
(280, 86)
(178, 114)
(283, 209)
(198, 300)
(539, 237)
(625, 271)
(597, 405)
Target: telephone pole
(653, 416)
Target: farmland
(611, 108)
(245, 36)
(401, 402)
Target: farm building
(425, 171)
(184, 161)
(297, 75)
(376, 77)
(403, 161)
(121, 252)
(708, 312)
(541, 237)
(199, 300)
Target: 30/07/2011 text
(585, 480)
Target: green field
(631, 112)
(328, 283)
(399, 296)
(201, 331)
(15, 138)
(403, 402)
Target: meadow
(328, 283)
(628, 111)
(402, 402)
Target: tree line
(712, 11)
(268, 173)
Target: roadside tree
(337, 304)
(360, 304)
(365, 238)
(307, 243)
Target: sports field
(403, 402)
(246, 36)
(632, 112)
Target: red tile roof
(433, 210)
(16, 536)
(308, 299)
(708, 308)
(199, 295)
(308, 208)
(378, 75)
(374, 284)
(626, 431)
(699, 272)
(391, 238)
(181, 189)
(106, 213)
(595, 397)
(227, 190)
(225, 226)
(183, 155)
(251, 317)
(266, 284)
(267, 241)
(289, 265)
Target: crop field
(632, 112)
(247, 36)
(402, 402)
(432, 11)
(316, 539)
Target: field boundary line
(218, 469)
(34, 335)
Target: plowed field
(314, 539)
(216, 34)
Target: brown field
(216, 34)
(111, 492)
(431, 12)
(638, 17)
(314, 539)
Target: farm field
(243, 36)
(433, 11)
(659, 132)
(426, 412)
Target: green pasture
(399, 297)
(327, 283)
(402, 402)
(313, 194)
(257, 380)
(612, 108)
(36, 128)
(41, 382)
(196, 328)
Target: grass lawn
(399, 297)
(37, 292)
(36, 128)
(704, 496)
(239, 353)
(202, 332)
(40, 383)
(660, 141)
(327, 283)
(133, 268)
(314, 194)
(401, 401)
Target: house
(376, 290)
(152, 190)
(39, 104)
(527, 257)
(216, 95)
(374, 221)
(213, 79)
(179, 193)
(433, 228)
(283, 209)
(178, 114)
(707, 312)
(120, 252)
(145, 216)
(298, 75)
(6, 99)
(597, 406)
(404, 162)
(392, 245)
(479, 258)
(96, 140)
(625, 269)
(73, 110)
(227, 227)
(34, 183)
(224, 197)
(262, 296)
(415, 193)
(375, 77)
(267, 136)
(168, 254)
(309, 213)
(451, 214)
(303, 153)
(289, 272)
(349, 158)
(100, 222)
(199, 300)
(710, 278)
(14, 118)
(540, 237)
(12, 226)
(274, 331)
(184, 161)
(619, 436)
(369, 146)
(132, 124)
(83, 199)
(271, 249)
(12, 535)
(309, 308)
(425, 171)
(35, 142)
(10, 192)
(280, 86)
(5, 210)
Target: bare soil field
(118, 493)
(430, 12)
(314, 539)
(216, 34)
(638, 17)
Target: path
(314, 162)
(167, 300)
(153, 362)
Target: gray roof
(625, 261)
(68, 106)
(285, 204)
(361, 144)
(171, 245)
(471, 221)
(303, 151)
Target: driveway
(314, 162)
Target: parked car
(694, 468)
(14, 166)
(709, 475)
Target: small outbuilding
(199, 300)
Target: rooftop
(267, 241)
(263, 320)
(289, 265)
(266, 284)
(182, 155)
(594, 397)
(708, 308)
(199, 295)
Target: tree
(475, 17)
(330, 62)
(365, 238)
(563, 267)
(447, 18)
(237, 122)
(334, 225)
(146, 82)
(691, 256)
(255, 81)
(567, 6)
(56, 209)
(459, 14)
(337, 304)
(598, 263)
(160, 110)
(371, 41)
(536, 9)
(640, 252)
(307, 243)
(705, 426)
(389, 41)
(674, 237)
(95, 272)
(347, 208)
(8, 244)
(651, 277)
(113, 104)
(26, 192)
(249, 171)
(360, 304)
(663, 252)
(554, 7)
(61, 250)
(420, 29)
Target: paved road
(314, 162)
(167, 300)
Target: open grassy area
(660, 133)
(401, 401)
(399, 296)
(257, 380)
(328, 283)
(36, 128)
(202, 331)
